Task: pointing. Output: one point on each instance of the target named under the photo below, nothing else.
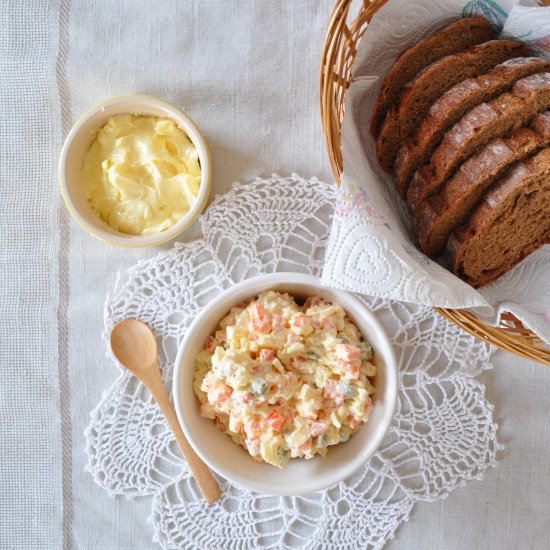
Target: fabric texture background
(247, 72)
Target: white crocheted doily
(442, 435)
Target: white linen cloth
(371, 249)
(247, 73)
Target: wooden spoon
(134, 345)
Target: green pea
(347, 389)
(257, 387)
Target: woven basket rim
(338, 54)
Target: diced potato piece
(299, 435)
(309, 401)
(368, 368)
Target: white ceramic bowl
(77, 143)
(300, 476)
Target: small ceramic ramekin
(77, 143)
(299, 476)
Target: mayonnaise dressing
(141, 174)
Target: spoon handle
(205, 480)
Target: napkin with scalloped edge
(370, 250)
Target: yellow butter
(141, 174)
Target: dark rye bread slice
(452, 106)
(487, 121)
(440, 214)
(454, 38)
(432, 82)
(512, 221)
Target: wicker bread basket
(339, 50)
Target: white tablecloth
(247, 73)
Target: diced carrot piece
(278, 322)
(235, 421)
(264, 327)
(329, 390)
(327, 322)
(318, 428)
(275, 420)
(256, 428)
(298, 320)
(267, 355)
(338, 399)
(221, 394)
(249, 398)
(260, 321)
(312, 301)
(347, 352)
(352, 370)
(258, 311)
(305, 446)
(211, 344)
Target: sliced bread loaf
(487, 121)
(452, 106)
(454, 38)
(512, 221)
(440, 214)
(419, 94)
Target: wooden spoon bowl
(135, 347)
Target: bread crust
(420, 93)
(466, 135)
(438, 215)
(454, 104)
(453, 38)
(524, 178)
(498, 118)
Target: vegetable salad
(285, 380)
